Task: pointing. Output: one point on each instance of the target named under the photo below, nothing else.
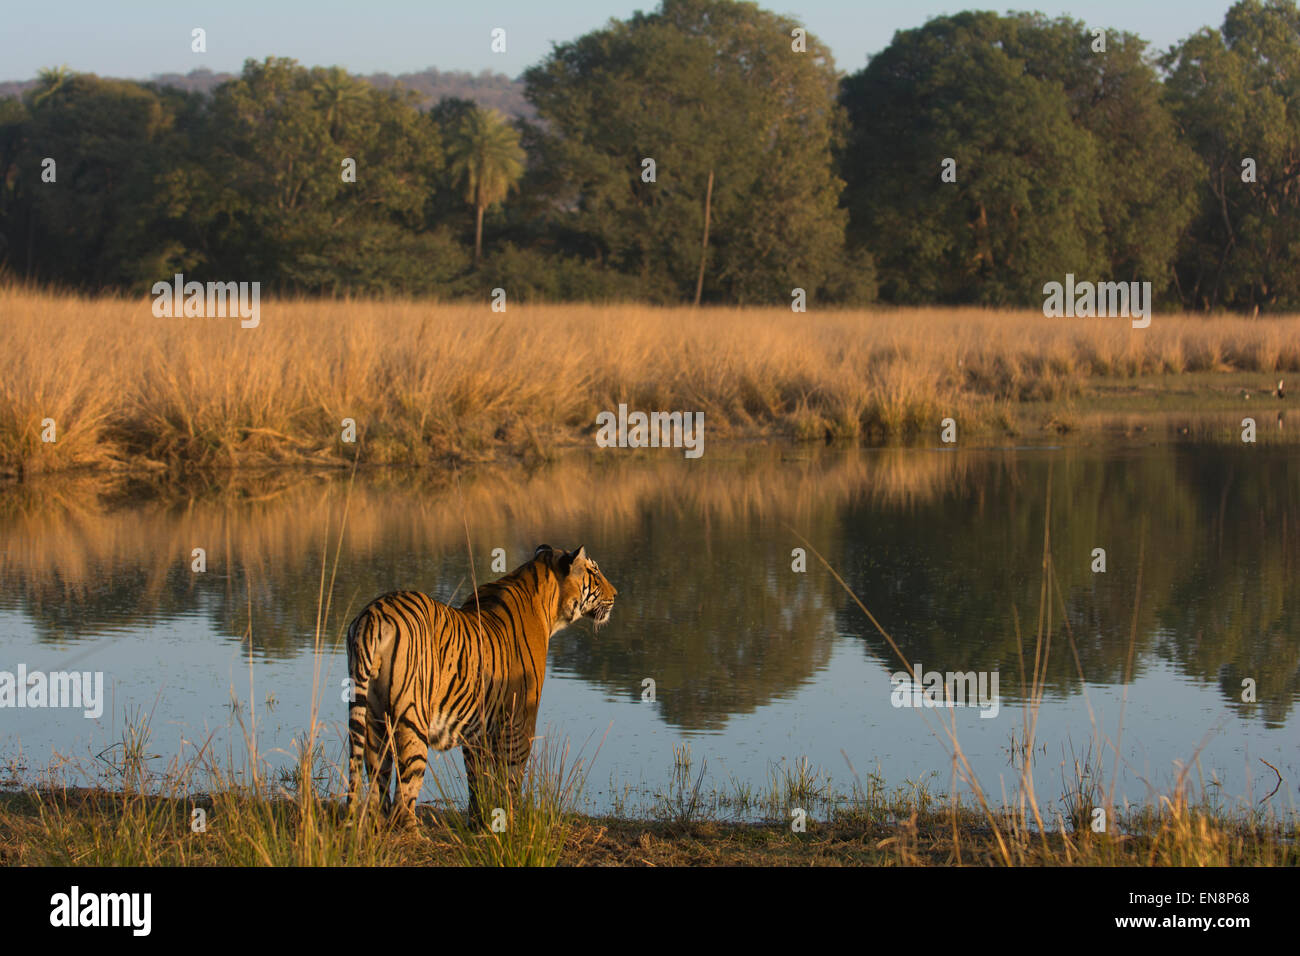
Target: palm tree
(48, 81)
(334, 90)
(485, 156)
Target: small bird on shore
(1281, 389)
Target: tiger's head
(584, 591)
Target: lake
(1183, 655)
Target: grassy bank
(909, 827)
(429, 382)
(203, 810)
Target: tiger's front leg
(477, 764)
(517, 749)
(495, 764)
(490, 779)
(513, 745)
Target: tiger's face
(584, 590)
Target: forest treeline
(709, 150)
(486, 88)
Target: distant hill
(487, 89)
(195, 81)
(15, 87)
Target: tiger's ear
(541, 548)
(578, 557)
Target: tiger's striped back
(426, 674)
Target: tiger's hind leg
(356, 754)
(379, 764)
(412, 745)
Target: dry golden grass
(427, 381)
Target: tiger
(426, 674)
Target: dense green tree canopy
(282, 205)
(1236, 94)
(93, 180)
(1065, 160)
(708, 144)
(699, 86)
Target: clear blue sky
(138, 38)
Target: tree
(111, 218)
(484, 156)
(15, 220)
(1148, 175)
(48, 81)
(336, 91)
(1236, 95)
(697, 86)
(1024, 204)
(278, 206)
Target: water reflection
(945, 547)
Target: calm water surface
(755, 665)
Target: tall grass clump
(428, 381)
(684, 801)
(527, 827)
